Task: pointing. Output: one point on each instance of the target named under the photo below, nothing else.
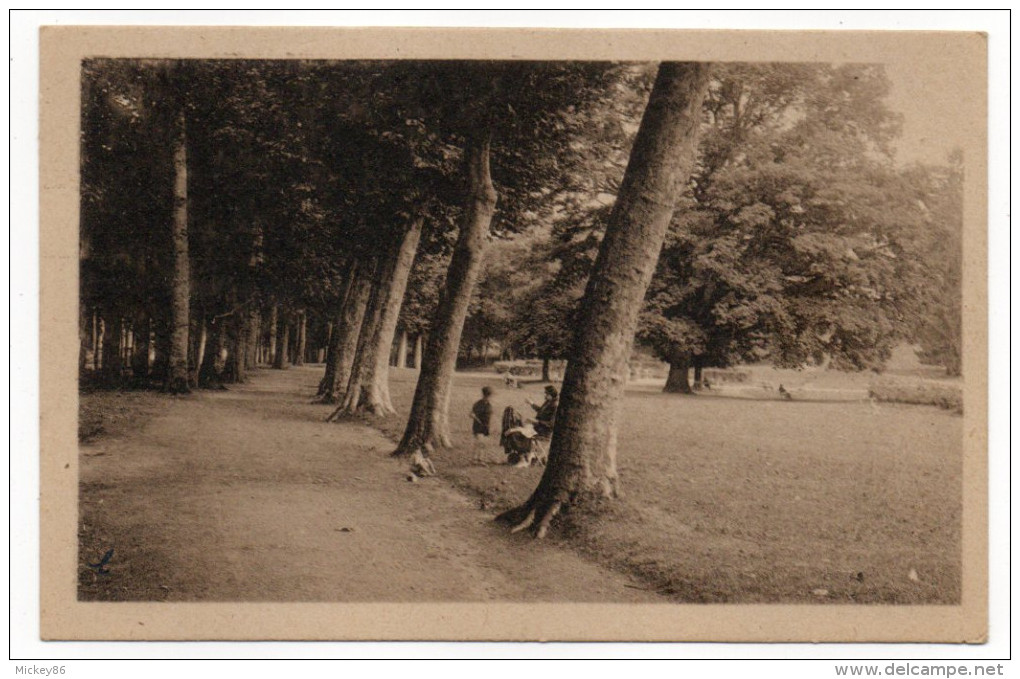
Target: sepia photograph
(621, 336)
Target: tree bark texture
(369, 391)
(281, 360)
(180, 294)
(428, 423)
(140, 361)
(332, 348)
(401, 357)
(335, 333)
(236, 363)
(676, 381)
(582, 453)
(302, 338)
(418, 350)
(97, 340)
(254, 326)
(210, 375)
(347, 333)
(113, 333)
(369, 327)
(273, 313)
(199, 339)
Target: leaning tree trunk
(676, 381)
(582, 454)
(369, 327)
(177, 360)
(370, 392)
(347, 332)
(428, 425)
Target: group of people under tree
(269, 204)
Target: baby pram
(522, 444)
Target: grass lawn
(744, 501)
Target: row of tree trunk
(360, 350)
(220, 349)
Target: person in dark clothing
(481, 416)
(545, 412)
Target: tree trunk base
(177, 385)
(537, 514)
(369, 402)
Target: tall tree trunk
(236, 371)
(373, 388)
(337, 333)
(254, 327)
(676, 381)
(180, 296)
(161, 344)
(97, 339)
(86, 334)
(140, 363)
(112, 335)
(281, 360)
(369, 327)
(301, 335)
(401, 358)
(332, 348)
(210, 375)
(203, 340)
(428, 423)
(698, 377)
(347, 331)
(273, 313)
(582, 454)
(416, 358)
(545, 370)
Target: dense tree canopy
(797, 240)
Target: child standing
(481, 416)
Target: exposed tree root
(528, 516)
(526, 523)
(421, 465)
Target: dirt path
(248, 495)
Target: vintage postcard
(513, 335)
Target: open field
(737, 500)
